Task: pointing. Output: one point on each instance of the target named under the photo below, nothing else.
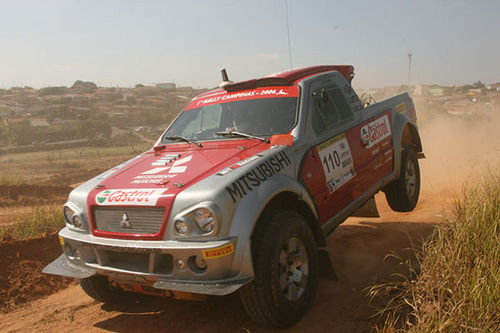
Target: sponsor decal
(154, 171)
(237, 165)
(352, 98)
(218, 252)
(152, 176)
(375, 131)
(258, 175)
(337, 162)
(282, 91)
(165, 159)
(401, 108)
(177, 167)
(151, 179)
(128, 197)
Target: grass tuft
(454, 283)
(42, 220)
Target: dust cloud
(457, 150)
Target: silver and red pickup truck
(240, 191)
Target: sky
(123, 43)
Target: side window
(330, 109)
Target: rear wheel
(99, 288)
(286, 270)
(402, 195)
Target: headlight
(73, 216)
(205, 219)
(68, 214)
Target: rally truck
(240, 192)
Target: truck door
(374, 151)
(329, 167)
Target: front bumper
(151, 263)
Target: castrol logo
(375, 131)
(128, 197)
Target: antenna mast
(409, 71)
(288, 34)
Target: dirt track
(358, 248)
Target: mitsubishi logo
(124, 223)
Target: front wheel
(99, 288)
(402, 194)
(285, 264)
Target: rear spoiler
(286, 78)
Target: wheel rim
(293, 268)
(410, 178)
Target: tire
(285, 264)
(99, 288)
(402, 195)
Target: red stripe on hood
(156, 178)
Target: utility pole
(288, 34)
(409, 71)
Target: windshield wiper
(181, 138)
(242, 135)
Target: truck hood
(158, 175)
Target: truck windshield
(262, 117)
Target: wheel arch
(289, 200)
(410, 137)
(406, 135)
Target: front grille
(137, 220)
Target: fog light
(181, 227)
(180, 264)
(200, 263)
(77, 221)
(197, 264)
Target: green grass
(454, 285)
(43, 220)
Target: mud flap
(61, 266)
(369, 209)
(326, 270)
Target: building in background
(168, 85)
(433, 90)
(495, 86)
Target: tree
(52, 91)
(480, 85)
(82, 87)
(93, 129)
(21, 133)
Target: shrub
(455, 285)
(42, 220)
